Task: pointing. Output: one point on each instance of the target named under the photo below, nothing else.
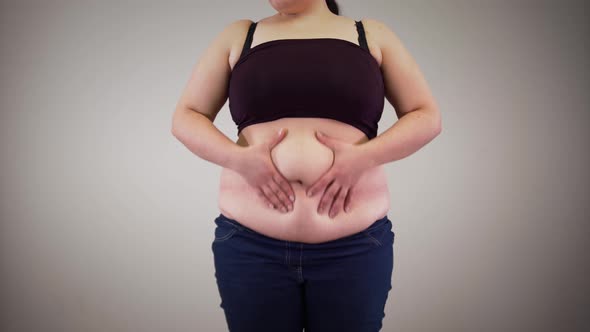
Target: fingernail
(309, 194)
(271, 206)
(292, 198)
(320, 210)
(347, 209)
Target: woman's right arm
(202, 98)
(192, 124)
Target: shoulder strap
(249, 38)
(362, 38)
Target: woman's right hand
(260, 172)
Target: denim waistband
(375, 225)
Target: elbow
(432, 118)
(173, 127)
(176, 121)
(437, 126)
(436, 119)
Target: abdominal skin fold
(302, 158)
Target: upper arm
(405, 86)
(206, 90)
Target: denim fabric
(267, 284)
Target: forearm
(201, 137)
(406, 136)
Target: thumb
(277, 138)
(326, 140)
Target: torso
(302, 159)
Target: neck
(316, 10)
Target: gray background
(107, 219)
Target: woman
(284, 260)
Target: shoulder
(239, 25)
(234, 30)
(234, 34)
(381, 34)
(230, 38)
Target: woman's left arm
(419, 122)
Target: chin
(288, 6)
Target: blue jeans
(267, 284)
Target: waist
(302, 159)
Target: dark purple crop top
(313, 77)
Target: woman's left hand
(338, 182)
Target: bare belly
(302, 159)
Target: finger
(323, 139)
(277, 138)
(347, 200)
(338, 202)
(328, 197)
(284, 200)
(270, 195)
(285, 187)
(323, 182)
(329, 141)
(262, 196)
(331, 202)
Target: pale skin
(419, 119)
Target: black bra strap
(249, 38)
(362, 38)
